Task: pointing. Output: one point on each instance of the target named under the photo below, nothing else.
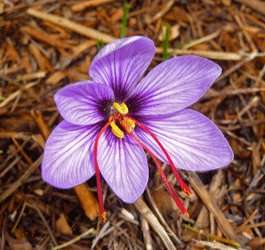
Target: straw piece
(255, 5)
(222, 222)
(39, 119)
(19, 182)
(22, 151)
(217, 55)
(83, 5)
(162, 220)
(43, 36)
(232, 92)
(242, 227)
(66, 23)
(16, 93)
(79, 237)
(242, 26)
(153, 221)
(202, 40)
(163, 11)
(146, 234)
(32, 76)
(38, 56)
(21, 136)
(213, 245)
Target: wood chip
(63, 22)
(55, 78)
(62, 225)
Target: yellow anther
(115, 129)
(121, 108)
(127, 123)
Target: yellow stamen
(121, 108)
(128, 123)
(115, 129)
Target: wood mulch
(47, 44)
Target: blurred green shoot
(124, 19)
(166, 43)
(100, 44)
(18, 79)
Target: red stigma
(99, 189)
(127, 123)
(182, 184)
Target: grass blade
(124, 19)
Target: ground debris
(46, 45)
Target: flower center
(127, 123)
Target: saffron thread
(171, 191)
(99, 189)
(128, 124)
(182, 184)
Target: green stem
(124, 19)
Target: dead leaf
(173, 32)
(56, 77)
(62, 225)
(18, 244)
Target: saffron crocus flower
(111, 121)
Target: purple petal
(121, 64)
(83, 103)
(68, 155)
(123, 165)
(192, 141)
(173, 85)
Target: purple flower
(111, 107)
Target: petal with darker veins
(68, 155)
(172, 86)
(191, 139)
(83, 103)
(123, 164)
(122, 63)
